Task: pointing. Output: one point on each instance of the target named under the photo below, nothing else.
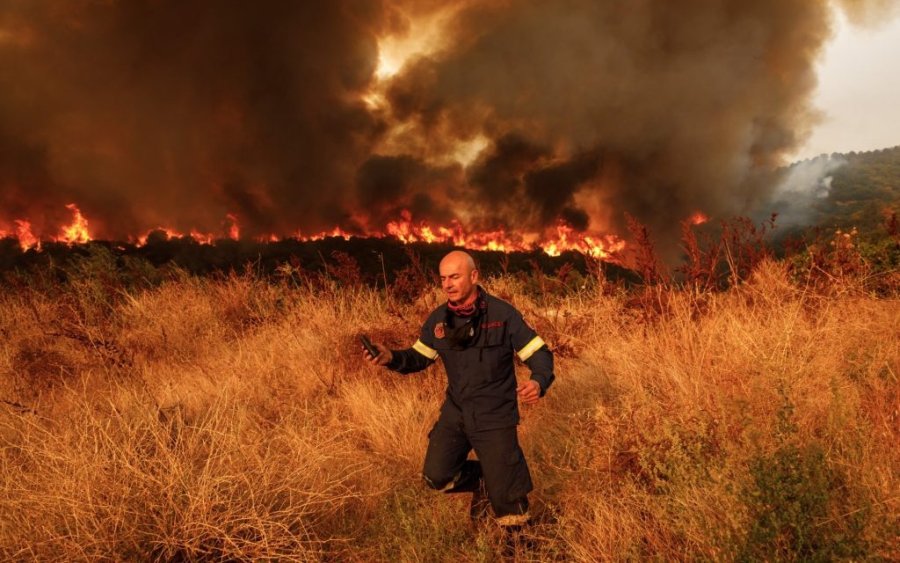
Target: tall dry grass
(234, 419)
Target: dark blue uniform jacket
(481, 381)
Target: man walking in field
(476, 335)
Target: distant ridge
(863, 188)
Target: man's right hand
(383, 358)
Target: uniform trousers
(500, 464)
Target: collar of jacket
(467, 334)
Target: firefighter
(477, 336)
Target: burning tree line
(563, 237)
(713, 257)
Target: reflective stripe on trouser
(500, 463)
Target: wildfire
(26, 238)
(77, 232)
(566, 238)
(337, 232)
(698, 218)
(21, 231)
(561, 239)
(602, 246)
(234, 231)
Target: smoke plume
(165, 112)
(802, 187)
(519, 113)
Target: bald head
(458, 259)
(459, 277)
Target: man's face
(458, 279)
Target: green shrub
(799, 504)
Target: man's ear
(474, 276)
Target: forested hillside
(864, 189)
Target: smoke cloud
(164, 113)
(802, 186)
(176, 113)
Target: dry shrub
(37, 359)
(345, 270)
(391, 419)
(176, 322)
(127, 481)
(246, 302)
(38, 368)
(645, 260)
(671, 416)
(412, 281)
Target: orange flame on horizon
(234, 231)
(561, 239)
(26, 237)
(600, 246)
(337, 232)
(566, 239)
(698, 218)
(77, 232)
(22, 232)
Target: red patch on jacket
(494, 324)
(439, 330)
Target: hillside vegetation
(229, 418)
(861, 190)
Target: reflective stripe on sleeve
(530, 348)
(421, 348)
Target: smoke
(174, 113)
(388, 185)
(870, 13)
(157, 112)
(802, 186)
(662, 108)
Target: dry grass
(234, 419)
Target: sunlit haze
(859, 91)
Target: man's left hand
(529, 392)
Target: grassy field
(233, 418)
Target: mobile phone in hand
(368, 345)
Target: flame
(337, 232)
(555, 241)
(234, 231)
(566, 239)
(78, 231)
(599, 246)
(170, 234)
(26, 237)
(698, 218)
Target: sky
(859, 90)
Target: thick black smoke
(663, 107)
(176, 113)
